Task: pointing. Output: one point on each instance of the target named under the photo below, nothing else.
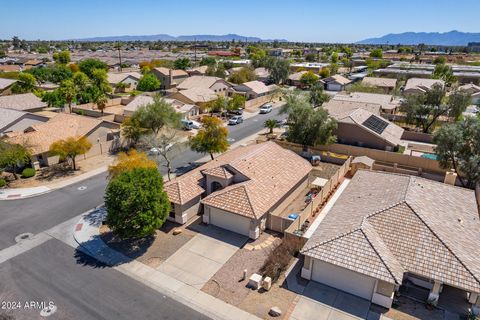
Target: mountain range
(451, 38)
(167, 37)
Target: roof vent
(460, 220)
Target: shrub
(279, 258)
(28, 172)
(3, 183)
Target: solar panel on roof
(375, 124)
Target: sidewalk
(22, 193)
(87, 235)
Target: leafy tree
(236, 102)
(136, 203)
(458, 102)
(99, 79)
(208, 61)
(445, 73)
(279, 69)
(308, 79)
(156, 115)
(458, 147)
(70, 148)
(307, 126)
(311, 57)
(62, 57)
(12, 155)
(127, 161)
(217, 105)
(26, 83)
(182, 63)
(334, 57)
(101, 102)
(54, 98)
(81, 83)
(88, 65)
(68, 92)
(324, 72)
(148, 82)
(376, 53)
(211, 138)
(270, 124)
(317, 95)
(440, 60)
(132, 130)
(243, 75)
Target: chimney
(170, 76)
(450, 177)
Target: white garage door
(343, 279)
(230, 221)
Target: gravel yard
(153, 250)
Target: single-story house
(294, 78)
(6, 86)
(386, 84)
(218, 85)
(254, 89)
(10, 68)
(39, 137)
(386, 229)
(22, 102)
(196, 96)
(361, 125)
(198, 71)
(186, 110)
(130, 79)
(262, 74)
(13, 120)
(336, 82)
(472, 89)
(387, 102)
(169, 78)
(238, 189)
(421, 85)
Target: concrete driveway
(201, 257)
(321, 302)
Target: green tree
(236, 102)
(53, 98)
(99, 79)
(13, 155)
(211, 138)
(317, 95)
(279, 69)
(270, 124)
(62, 57)
(132, 131)
(308, 126)
(311, 57)
(136, 203)
(148, 82)
(245, 74)
(101, 101)
(334, 57)
(156, 115)
(182, 63)
(81, 83)
(445, 73)
(324, 72)
(208, 61)
(68, 92)
(70, 148)
(308, 79)
(26, 83)
(376, 53)
(458, 147)
(218, 105)
(458, 101)
(88, 65)
(440, 60)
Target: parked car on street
(190, 124)
(235, 120)
(266, 108)
(156, 151)
(236, 111)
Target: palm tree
(271, 124)
(101, 102)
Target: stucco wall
(355, 135)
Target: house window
(172, 210)
(215, 186)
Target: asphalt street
(80, 288)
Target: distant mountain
(166, 37)
(452, 38)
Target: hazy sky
(294, 20)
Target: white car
(266, 108)
(156, 151)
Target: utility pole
(195, 48)
(119, 55)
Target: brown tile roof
(412, 224)
(175, 73)
(341, 108)
(205, 82)
(422, 84)
(270, 172)
(386, 101)
(380, 82)
(338, 79)
(39, 137)
(220, 172)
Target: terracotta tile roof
(205, 82)
(338, 79)
(412, 224)
(117, 77)
(39, 137)
(175, 73)
(422, 84)
(341, 108)
(198, 95)
(22, 102)
(5, 83)
(386, 101)
(296, 76)
(220, 172)
(268, 172)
